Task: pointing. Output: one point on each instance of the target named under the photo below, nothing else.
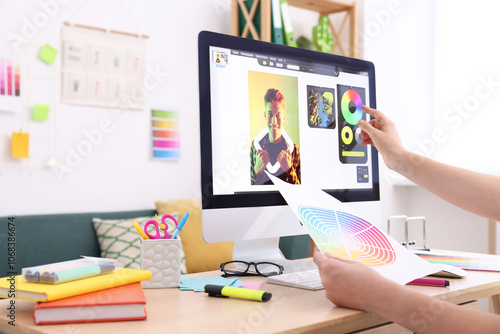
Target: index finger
(378, 115)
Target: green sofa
(48, 238)
(42, 239)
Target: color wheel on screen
(347, 236)
(350, 106)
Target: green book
(277, 26)
(287, 24)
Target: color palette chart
(166, 139)
(349, 113)
(347, 236)
(10, 77)
(338, 230)
(469, 261)
(11, 84)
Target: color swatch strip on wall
(10, 78)
(166, 139)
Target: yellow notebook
(14, 287)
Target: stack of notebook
(117, 296)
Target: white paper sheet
(336, 229)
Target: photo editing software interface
(293, 119)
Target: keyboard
(308, 279)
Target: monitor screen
(268, 108)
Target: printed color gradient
(463, 262)
(166, 139)
(347, 236)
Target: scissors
(159, 227)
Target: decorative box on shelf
(256, 22)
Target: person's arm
(472, 191)
(354, 285)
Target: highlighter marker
(230, 291)
(84, 272)
(139, 229)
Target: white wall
(467, 84)
(119, 173)
(401, 43)
(398, 40)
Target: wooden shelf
(323, 7)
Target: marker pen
(430, 282)
(84, 272)
(230, 291)
(180, 226)
(140, 230)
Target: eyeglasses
(242, 268)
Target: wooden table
(289, 310)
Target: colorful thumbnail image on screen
(350, 99)
(321, 107)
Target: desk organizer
(163, 258)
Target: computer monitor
(247, 131)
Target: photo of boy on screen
(273, 150)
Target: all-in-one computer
(293, 113)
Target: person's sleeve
(293, 174)
(253, 151)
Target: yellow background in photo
(258, 84)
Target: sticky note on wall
(20, 145)
(41, 112)
(48, 54)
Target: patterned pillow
(118, 239)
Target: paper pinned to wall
(48, 54)
(103, 68)
(41, 112)
(335, 228)
(20, 145)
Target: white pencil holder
(163, 258)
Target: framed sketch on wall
(103, 68)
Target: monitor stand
(267, 250)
